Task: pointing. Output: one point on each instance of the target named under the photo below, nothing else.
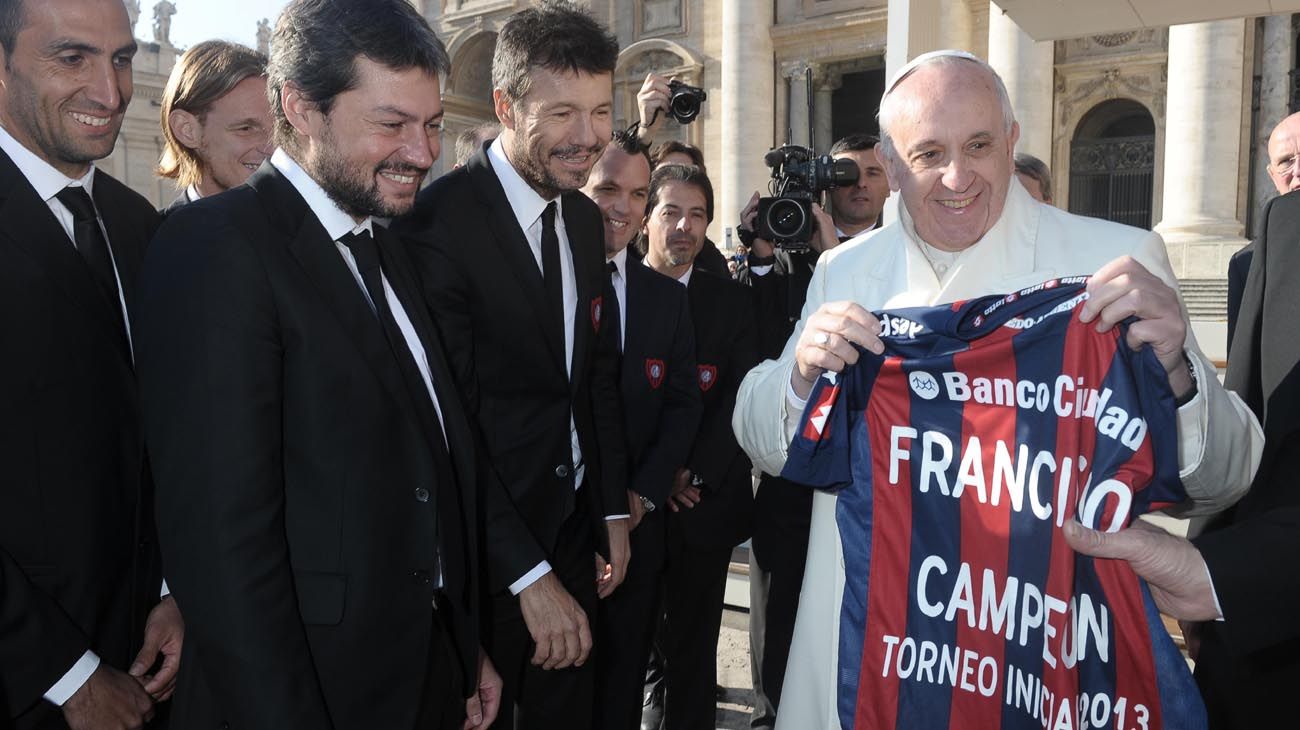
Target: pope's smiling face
(954, 153)
(67, 81)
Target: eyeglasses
(1284, 166)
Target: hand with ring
(827, 341)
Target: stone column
(746, 69)
(824, 86)
(1277, 57)
(796, 75)
(1203, 140)
(1026, 67)
(912, 28)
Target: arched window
(1112, 163)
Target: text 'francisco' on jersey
(957, 457)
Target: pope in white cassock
(966, 229)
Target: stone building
(1158, 126)
(140, 143)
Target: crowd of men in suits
(473, 468)
(315, 447)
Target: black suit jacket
(485, 290)
(661, 399)
(77, 558)
(299, 494)
(1249, 664)
(1238, 267)
(726, 348)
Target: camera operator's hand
(760, 248)
(652, 101)
(827, 340)
(825, 238)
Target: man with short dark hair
(319, 485)
(1033, 174)
(79, 572)
(856, 208)
(711, 499)
(473, 139)
(216, 121)
(661, 406)
(512, 256)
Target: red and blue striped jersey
(957, 456)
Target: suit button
(562, 471)
(420, 576)
(421, 494)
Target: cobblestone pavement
(733, 672)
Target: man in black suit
(661, 405)
(712, 497)
(512, 257)
(79, 573)
(1238, 578)
(317, 498)
(216, 121)
(1283, 153)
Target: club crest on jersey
(654, 372)
(923, 384)
(597, 305)
(708, 376)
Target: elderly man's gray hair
(890, 104)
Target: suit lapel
(31, 227)
(127, 251)
(312, 247)
(514, 248)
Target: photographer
(782, 510)
(655, 101)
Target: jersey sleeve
(820, 455)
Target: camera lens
(786, 218)
(685, 107)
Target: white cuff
(65, 688)
(1218, 607)
(611, 518)
(1192, 419)
(760, 270)
(792, 399)
(165, 590)
(530, 578)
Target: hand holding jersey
(1121, 289)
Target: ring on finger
(822, 338)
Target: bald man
(1283, 152)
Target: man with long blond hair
(216, 120)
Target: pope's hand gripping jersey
(957, 456)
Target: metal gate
(1113, 178)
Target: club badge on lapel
(654, 372)
(708, 376)
(596, 307)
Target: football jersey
(957, 456)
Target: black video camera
(799, 177)
(684, 101)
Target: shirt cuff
(165, 590)
(610, 518)
(65, 688)
(792, 398)
(1218, 607)
(1192, 419)
(530, 578)
(760, 270)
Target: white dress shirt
(49, 182)
(618, 278)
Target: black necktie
(551, 274)
(366, 253)
(613, 309)
(93, 247)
